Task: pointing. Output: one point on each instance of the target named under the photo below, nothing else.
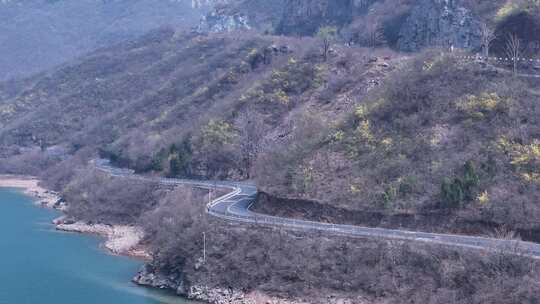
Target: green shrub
(180, 158)
(454, 193)
(389, 195)
(407, 185)
(158, 159)
(254, 58)
(470, 180)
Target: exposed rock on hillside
(229, 15)
(415, 25)
(216, 22)
(303, 17)
(439, 23)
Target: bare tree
(487, 35)
(327, 34)
(373, 35)
(513, 50)
(535, 47)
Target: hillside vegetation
(173, 96)
(312, 266)
(337, 126)
(360, 131)
(439, 135)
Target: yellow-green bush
(485, 104)
(361, 112)
(338, 136)
(295, 78)
(483, 198)
(524, 157)
(281, 97)
(364, 132)
(217, 133)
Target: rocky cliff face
(439, 23)
(216, 23)
(230, 15)
(304, 17)
(287, 17)
(427, 23)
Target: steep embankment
(441, 136)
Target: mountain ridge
(42, 34)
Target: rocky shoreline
(126, 241)
(119, 240)
(31, 187)
(148, 276)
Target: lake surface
(41, 266)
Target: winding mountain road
(235, 206)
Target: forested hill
(350, 126)
(335, 120)
(39, 34)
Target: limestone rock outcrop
(441, 23)
(427, 23)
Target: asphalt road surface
(235, 206)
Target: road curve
(235, 206)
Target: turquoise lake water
(41, 266)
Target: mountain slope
(440, 135)
(343, 134)
(39, 34)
